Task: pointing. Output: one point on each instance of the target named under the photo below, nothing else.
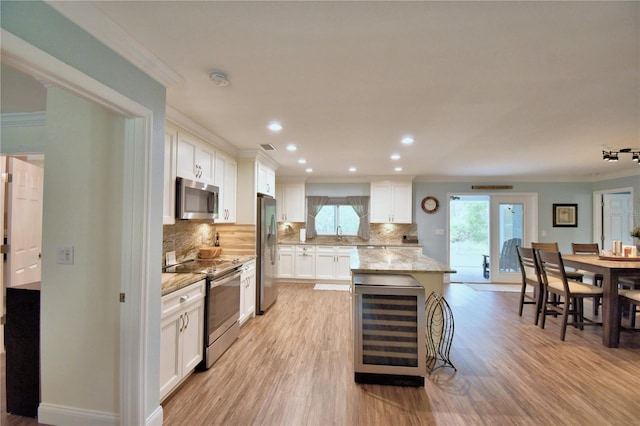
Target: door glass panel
(469, 237)
(510, 228)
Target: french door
(513, 223)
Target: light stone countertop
(346, 244)
(172, 281)
(394, 261)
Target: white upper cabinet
(391, 202)
(196, 159)
(266, 180)
(290, 206)
(226, 180)
(169, 192)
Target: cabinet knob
(184, 298)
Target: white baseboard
(61, 415)
(156, 418)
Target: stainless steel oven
(221, 313)
(222, 303)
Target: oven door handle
(227, 278)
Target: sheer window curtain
(361, 206)
(314, 204)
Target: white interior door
(513, 223)
(614, 217)
(24, 223)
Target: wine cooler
(389, 330)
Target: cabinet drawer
(305, 250)
(325, 249)
(180, 298)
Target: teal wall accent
(549, 193)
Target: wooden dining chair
(570, 293)
(596, 279)
(571, 274)
(530, 278)
(629, 298)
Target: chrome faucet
(339, 233)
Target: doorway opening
(484, 232)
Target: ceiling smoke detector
(219, 78)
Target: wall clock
(430, 204)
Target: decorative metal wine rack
(438, 332)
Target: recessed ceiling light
(407, 140)
(291, 147)
(398, 169)
(274, 126)
(395, 156)
(352, 169)
(302, 161)
(308, 170)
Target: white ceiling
(489, 90)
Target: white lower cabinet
(333, 262)
(286, 256)
(315, 262)
(247, 291)
(305, 262)
(182, 335)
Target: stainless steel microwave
(196, 200)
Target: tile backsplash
(185, 237)
(379, 234)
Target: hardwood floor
(293, 366)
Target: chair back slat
(528, 262)
(552, 267)
(545, 246)
(589, 248)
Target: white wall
(80, 328)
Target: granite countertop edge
(346, 244)
(174, 281)
(377, 261)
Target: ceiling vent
(268, 147)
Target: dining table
(611, 269)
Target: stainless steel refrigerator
(267, 252)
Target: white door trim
(136, 265)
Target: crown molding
(254, 154)
(181, 120)
(596, 177)
(95, 22)
(23, 119)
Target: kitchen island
(403, 261)
(389, 290)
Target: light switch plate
(170, 258)
(65, 255)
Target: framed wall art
(565, 215)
